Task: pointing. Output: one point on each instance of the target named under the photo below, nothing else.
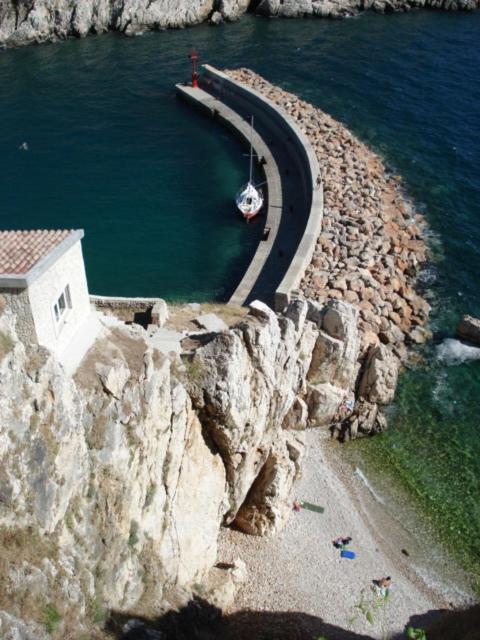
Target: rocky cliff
(25, 21)
(341, 8)
(114, 483)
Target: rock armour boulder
(469, 329)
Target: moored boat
(249, 199)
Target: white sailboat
(249, 200)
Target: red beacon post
(194, 58)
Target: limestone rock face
(336, 351)
(119, 484)
(109, 488)
(251, 377)
(233, 9)
(267, 505)
(40, 20)
(334, 365)
(323, 403)
(379, 379)
(26, 21)
(114, 483)
(339, 8)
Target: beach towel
(311, 507)
(345, 553)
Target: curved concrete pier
(295, 193)
(241, 128)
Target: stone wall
(19, 304)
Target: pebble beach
(300, 570)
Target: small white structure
(43, 281)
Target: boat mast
(251, 149)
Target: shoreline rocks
(36, 21)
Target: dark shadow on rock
(143, 318)
(444, 624)
(199, 620)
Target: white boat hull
(249, 201)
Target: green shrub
(416, 634)
(96, 611)
(6, 344)
(133, 537)
(51, 617)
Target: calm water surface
(111, 150)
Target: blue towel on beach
(345, 553)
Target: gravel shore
(300, 570)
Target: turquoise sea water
(111, 150)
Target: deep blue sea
(112, 151)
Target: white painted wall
(69, 270)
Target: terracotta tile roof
(21, 250)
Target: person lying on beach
(382, 586)
(341, 542)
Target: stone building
(43, 281)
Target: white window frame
(60, 312)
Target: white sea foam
(440, 389)
(453, 352)
(365, 481)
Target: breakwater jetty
(372, 245)
(293, 183)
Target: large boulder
(220, 586)
(469, 329)
(268, 504)
(323, 402)
(334, 359)
(340, 320)
(366, 419)
(379, 379)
